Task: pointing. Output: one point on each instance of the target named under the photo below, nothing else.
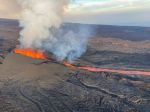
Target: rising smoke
(43, 28)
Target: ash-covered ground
(27, 85)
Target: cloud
(90, 6)
(138, 17)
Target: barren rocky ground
(27, 86)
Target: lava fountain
(39, 54)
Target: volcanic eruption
(42, 28)
(42, 31)
(38, 54)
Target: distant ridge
(8, 22)
(133, 33)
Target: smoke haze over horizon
(121, 12)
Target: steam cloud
(43, 28)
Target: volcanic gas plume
(42, 22)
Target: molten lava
(126, 72)
(37, 54)
(68, 64)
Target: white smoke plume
(42, 28)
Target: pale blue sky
(114, 12)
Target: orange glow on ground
(68, 64)
(37, 54)
(125, 72)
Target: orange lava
(68, 64)
(125, 72)
(37, 54)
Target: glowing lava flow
(93, 69)
(126, 72)
(37, 54)
(68, 64)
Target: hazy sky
(112, 12)
(115, 12)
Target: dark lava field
(28, 85)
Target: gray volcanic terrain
(28, 85)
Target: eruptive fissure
(39, 54)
